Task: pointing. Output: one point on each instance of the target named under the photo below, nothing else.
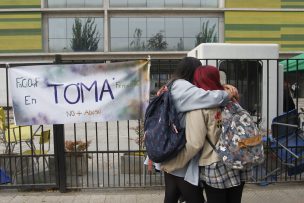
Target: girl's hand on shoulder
(233, 92)
(162, 90)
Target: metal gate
(108, 154)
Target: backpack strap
(169, 84)
(212, 145)
(171, 103)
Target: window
(74, 3)
(165, 3)
(209, 3)
(137, 33)
(119, 29)
(174, 34)
(118, 3)
(156, 3)
(136, 3)
(192, 3)
(174, 3)
(161, 33)
(61, 34)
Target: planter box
(76, 164)
(132, 164)
(72, 162)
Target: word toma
(62, 92)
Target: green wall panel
(284, 28)
(20, 32)
(292, 4)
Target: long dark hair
(185, 69)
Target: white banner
(59, 94)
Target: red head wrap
(207, 78)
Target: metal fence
(111, 156)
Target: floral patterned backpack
(240, 144)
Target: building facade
(37, 30)
(273, 21)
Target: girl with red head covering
(208, 78)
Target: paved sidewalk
(274, 193)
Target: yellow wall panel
(20, 25)
(14, 42)
(20, 15)
(292, 18)
(292, 30)
(251, 17)
(20, 3)
(253, 3)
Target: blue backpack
(164, 136)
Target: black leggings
(229, 195)
(177, 187)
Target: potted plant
(133, 162)
(76, 159)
